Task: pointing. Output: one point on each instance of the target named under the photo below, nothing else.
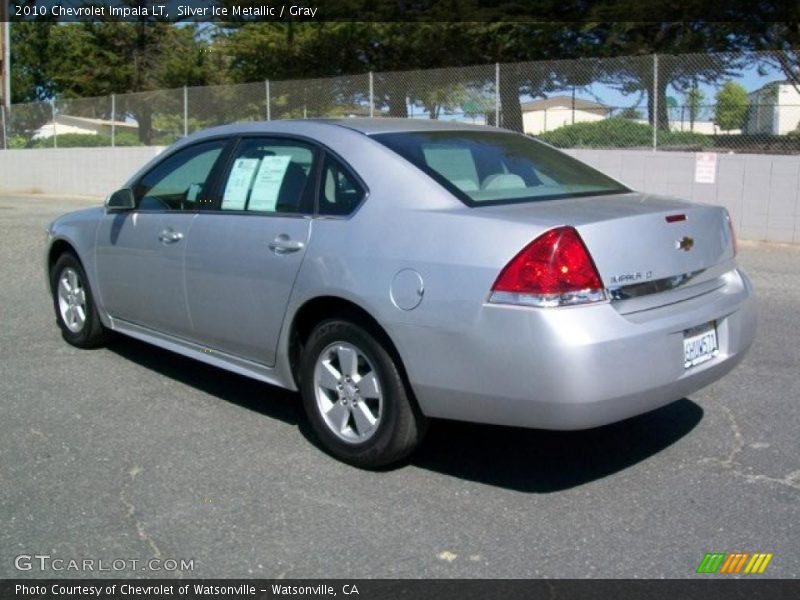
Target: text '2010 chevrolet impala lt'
(394, 271)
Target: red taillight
(553, 270)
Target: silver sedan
(393, 271)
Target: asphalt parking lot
(133, 453)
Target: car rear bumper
(578, 367)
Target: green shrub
(73, 140)
(126, 138)
(76, 140)
(16, 142)
(618, 133)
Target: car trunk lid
(649, 250)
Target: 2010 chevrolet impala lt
(394, 270)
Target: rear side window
(340, 193)
(267, 175)
(497, 168)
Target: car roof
(361, 125)
(312, 128)
(398, 125)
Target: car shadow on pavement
(526, 460)
(538, 461)
(266, 399)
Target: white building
(71, 124)
(704, 127)
(774, 109)
(551, 113)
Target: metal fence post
(53, 115)
(266, 90)
(690, 114)
(5, 134)
(371, 96)
(497, 94)
(113, 118)
(655, 102)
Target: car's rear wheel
(355, 396)
(76, 313)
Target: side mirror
(121, 200)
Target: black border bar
(700, 587)
(729, 11)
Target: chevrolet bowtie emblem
(685, 243)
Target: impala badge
(685, 243)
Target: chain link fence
(731, 102)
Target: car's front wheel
(355, 397)
(76, 313)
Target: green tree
(31, 82)
(348, 50)
(630, 113)
(706, 43)
(694, 103)
(90, 59)
(101, 58)
(78, 60)
(30, 57)
(732, 106)
(546, 42)
(478, 103)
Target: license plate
(700, 344)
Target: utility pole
(5, 67)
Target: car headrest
(503, 181)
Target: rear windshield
(489, 167)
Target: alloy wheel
(348, 392)
(71, 300)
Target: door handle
(168, 236)
(284, 245)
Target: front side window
(180, 181)
(497, 168)
(267, 175)
(340, 193)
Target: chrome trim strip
(657, 286)
(587, 296)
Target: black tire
(92, 333)
(401, 425)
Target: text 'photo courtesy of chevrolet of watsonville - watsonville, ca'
(394, 271)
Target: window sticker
(235, 196)
(268, 183)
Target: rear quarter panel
(408, 221)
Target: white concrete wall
(70, 171)
(762, 192)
